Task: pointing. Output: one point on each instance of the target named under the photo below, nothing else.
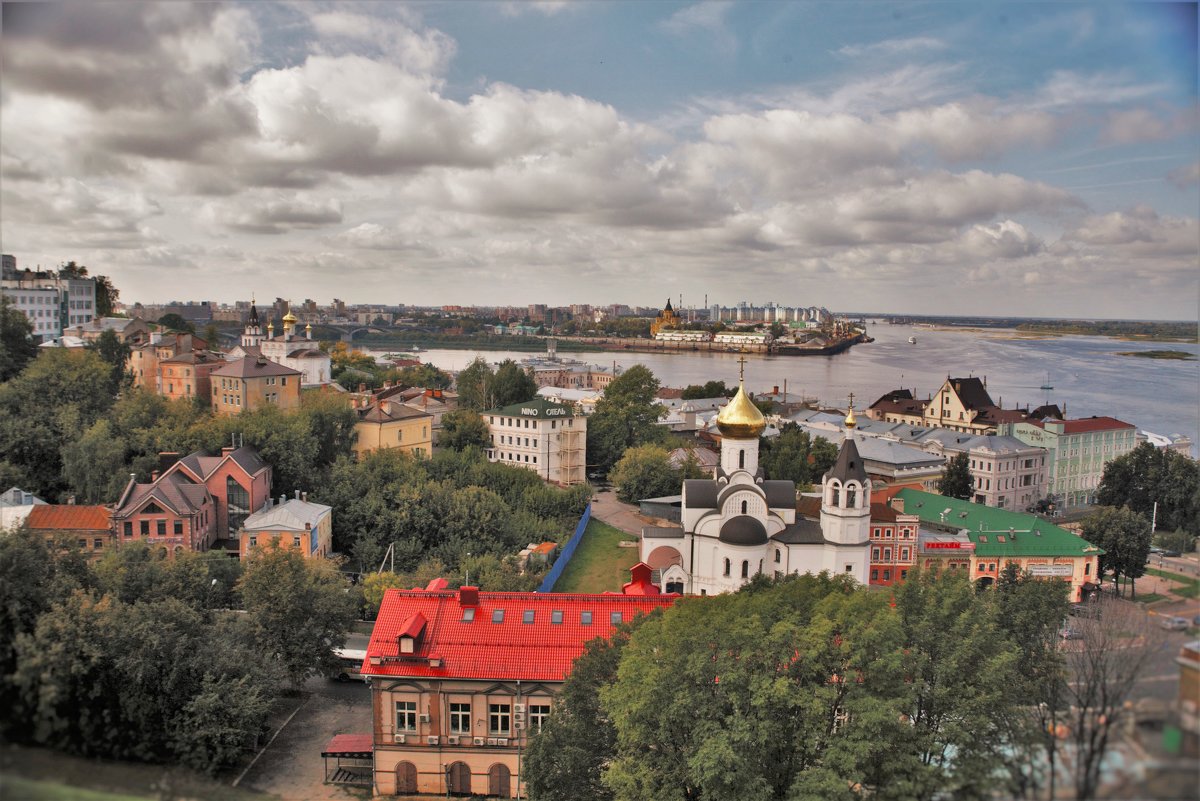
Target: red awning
(361, 746)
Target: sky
(1019, 159)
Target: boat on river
(912, 340)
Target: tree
(111, 349)
(424, 375)
(508, 385)
(330, 421)
(72, 270)
(471, 384)
(1125, 537)
(211, 335)
(106, 296)
(464, 428)
(956, 481)
(1117, 647)
(174, 322)
(646, 471)
(94, 464)
(709, 389)
(795, 456)
(301, 609)
(17, 347)
(1177, 540)
(1147, 476)
(566, 759)
(627, 415)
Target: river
(1158, 395)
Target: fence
(568, 551)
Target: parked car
(1084, 610)
(1175, 623)
(1170, 552)
(1155, 549)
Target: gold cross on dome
(851, 400)
(741, 368)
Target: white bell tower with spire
(846, 509)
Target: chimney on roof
(166, 459)
(468, 596)
(154, 474)
(282, 499)
(261, 360)
(297, 494)
(228, 449)
(70, 500)
(897, 503)
(304, 497)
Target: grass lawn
(1190, 588)
(599, 564)
(39, 774)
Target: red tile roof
(451, 647)
(70, 517)
(1093, 424)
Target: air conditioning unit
(491, 741)
(431, 740)
(519, 709)
(501, 741)
(451, 741)
(399, 738)
(478, 741)
(424, 718)
(519, 725)
(519, 717)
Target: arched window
(742, 459)
(837, 496)
(745, 569)
(727, 567)
(744, 506)
(776, 556)
(850, 497)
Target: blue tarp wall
(568, 551)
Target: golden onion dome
(740, 418)
(851, 421)
(289, 317)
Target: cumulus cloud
(892, 47)
(1185, 176)
(707, 16)
(1002, 240)
(1140, 231)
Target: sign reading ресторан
(529, 411)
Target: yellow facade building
(253, 382)
(385, 424)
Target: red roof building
(90, 527)
(460, 678)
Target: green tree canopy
(471, 385)
(626, 415)
(709, 389)
(795, 456)
(1125, 537)
(646, 471)
(1148, 475)
(464, 428)
(175, 322)
(17, 347)
(956, 481)
(300, 608)
(508, 385)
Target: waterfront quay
(669, 346)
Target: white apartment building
(548, 438)
(1005, 472)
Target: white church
(288, 348)
(737, 525)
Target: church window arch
(851, 496)
(727, 567)
(835, 495)
(742, 459)
(744, 507)
(745, 568)
(776, 556)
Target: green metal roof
(1024, 535)
(538, 407)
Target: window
(777, 556)
(874, 575)
(850, 493)
(615, 618)
(253, 540)
(849, 568)
(178, 528)
(499, 718)
(537, 715)
(887, 554)
(742, 459)
(296, 541)
(874, 554)
(406, 716)
(726, 567)
(497, 615)
(160, 527)
(904, 573)
(460, 717)
(887, 575)
(903, 554)
(1087, 569)
(468, 614)
(128, 528)
(556, 616)
(585, 618)
(745, 569)
(527, 616)
(239, 503)
(837, 496)
(97, 543)
(82, 544)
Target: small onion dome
(743, 530)
(289, 317)
(308, 327)
(851, 421)
(740, 418)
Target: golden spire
(851, 422)
(740, 418)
